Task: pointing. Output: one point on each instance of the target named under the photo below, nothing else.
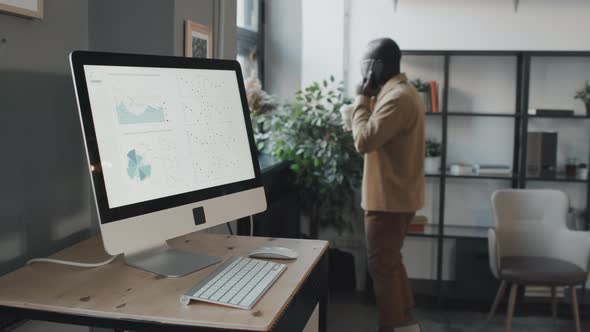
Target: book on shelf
(551, 112)
(434, 97)
(418, 224)
(427, 100)
(492, 169)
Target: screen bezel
(107, 214)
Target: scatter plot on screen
(167, 131)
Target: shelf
(461, 52)
(452, 232)
(484, 176)
(430, 231)
(520, 121)
(558, 178)
(473, 176)
(496, 115)
(544, 53)
(576, 116)
(475, 114)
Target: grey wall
(131, 26)
(282, 48)
(220, 15)
(157, 27)
(45, 196)
(45, 201)
(43, 45)
(199, 11)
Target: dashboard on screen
(167, 131)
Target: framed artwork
(198, 40)
(28, 8)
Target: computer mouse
(273, 253)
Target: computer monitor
(170, 150)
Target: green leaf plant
(308, 134)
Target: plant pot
(432, 165)
(570, 170)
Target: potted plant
(308, 134)
(424, 92)
(433, 153)
(571, 166)
(584, 96)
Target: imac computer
(170, 151)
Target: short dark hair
(386, 50)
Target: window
(251, 37)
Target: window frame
(248, 40)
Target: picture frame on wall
(26, 8)
(198, 40)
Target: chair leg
(511, 304)
(575, 309)
(499, 295)
(554, 304)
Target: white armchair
(531, 245)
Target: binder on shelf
(492, 169)
(551, 112)
(434, 96)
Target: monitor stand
(167, 261)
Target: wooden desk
(122, 297)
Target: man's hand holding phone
(368, 87)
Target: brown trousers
(385, 233)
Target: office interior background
(492, 62)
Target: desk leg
(325, 294)
(323, 324)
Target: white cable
(251, 226)
(59, 261)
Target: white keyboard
(240, 282)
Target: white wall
(282, 48)
(477, 84)
(468, 24)
(322, 40)
(434, 24)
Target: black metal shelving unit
(518, 179)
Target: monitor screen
(167, 131)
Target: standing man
(390, 134)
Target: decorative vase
(432, 165)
